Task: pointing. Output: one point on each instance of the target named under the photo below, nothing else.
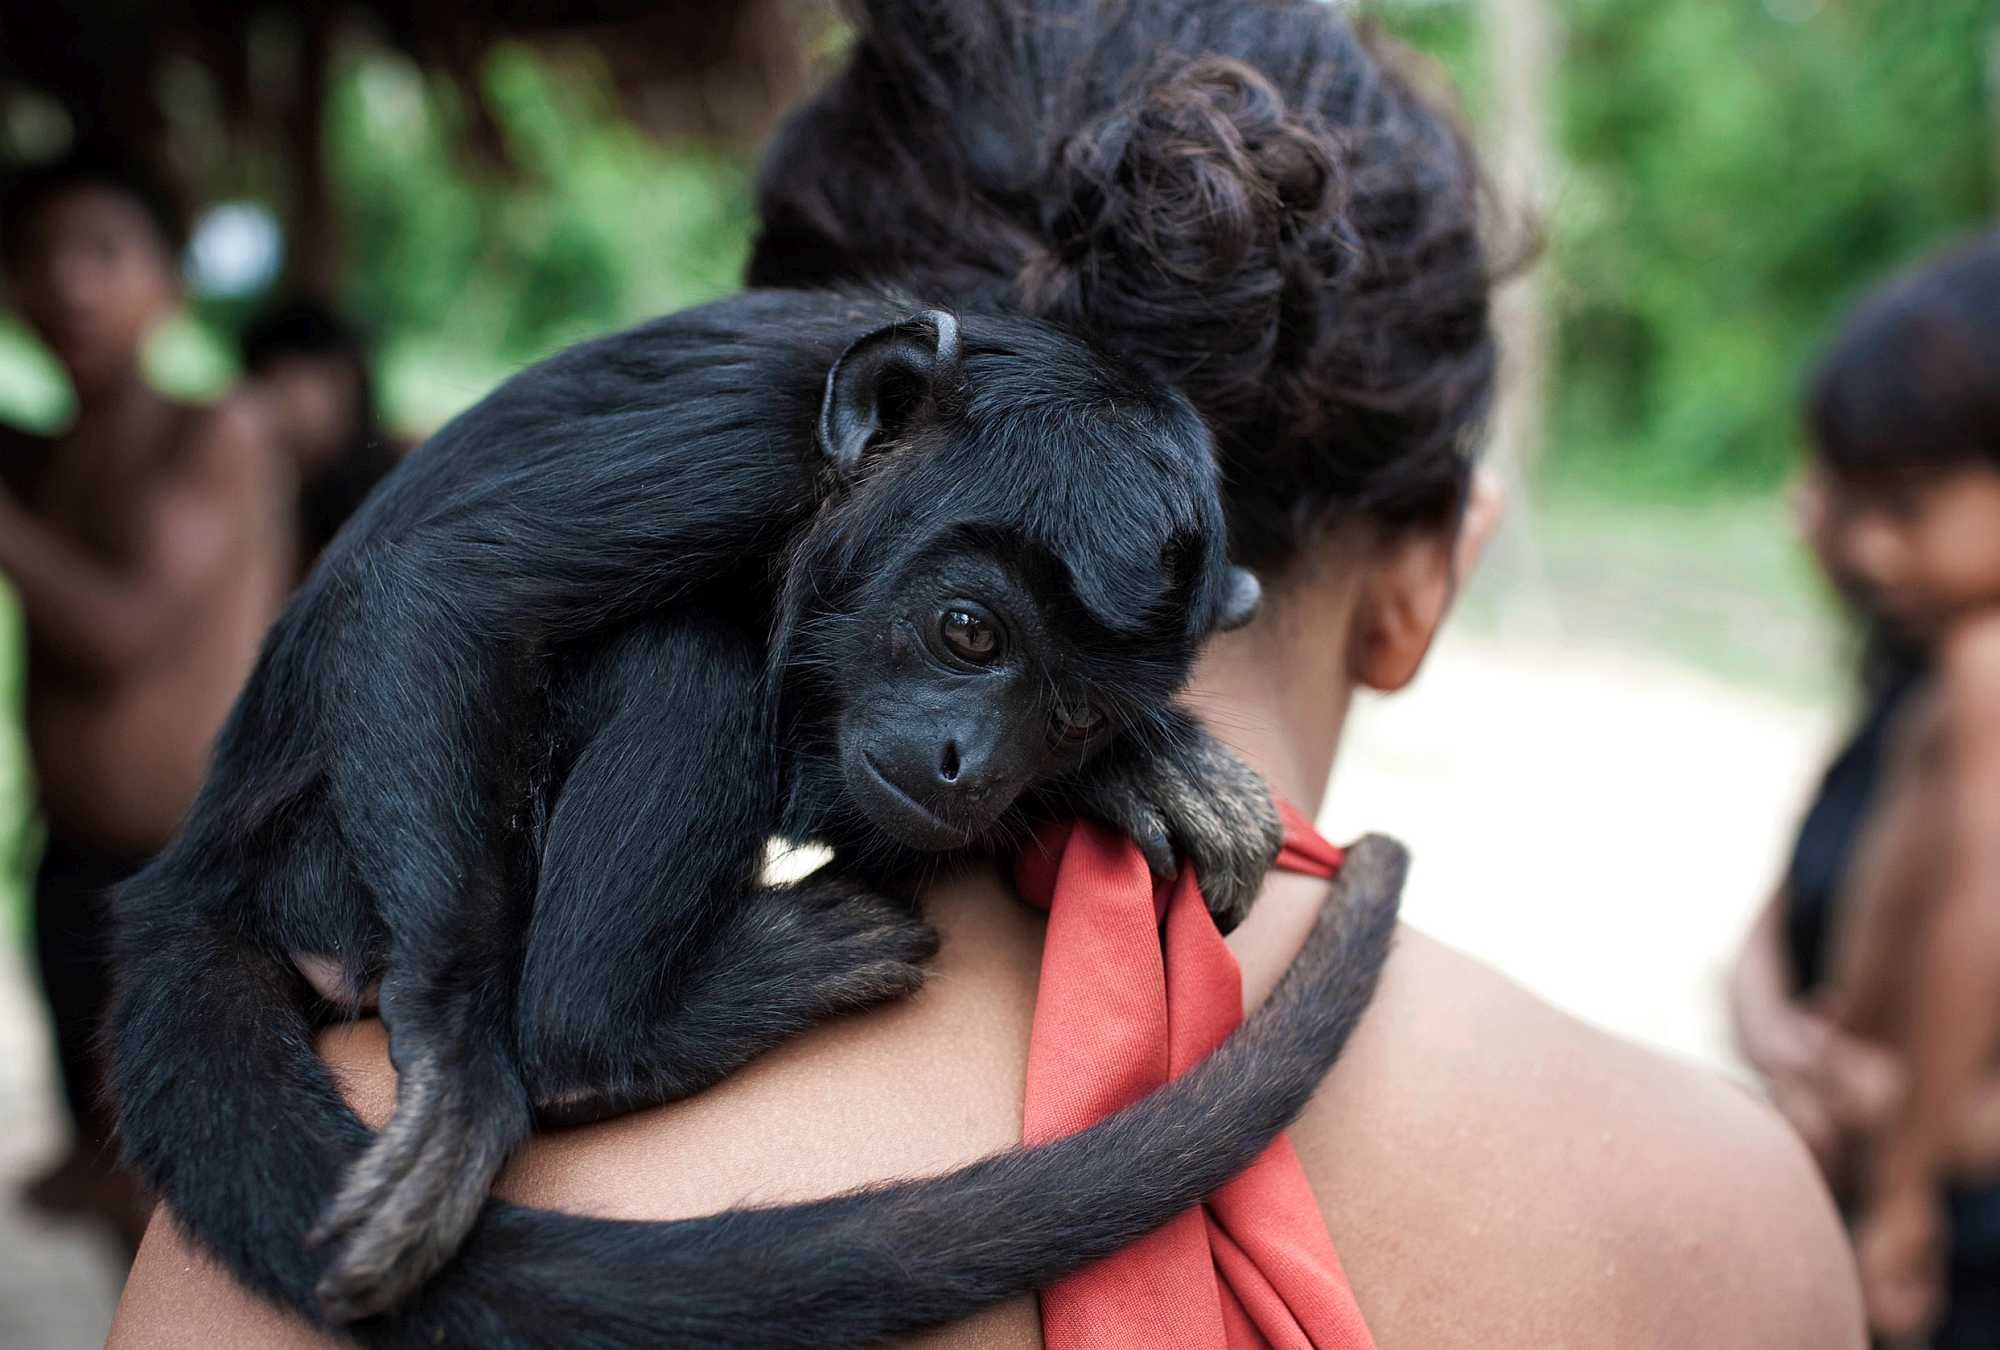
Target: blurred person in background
(310, 367)
(1868, 994)
(1820, 1077)
(149, 545)
(1248, 199)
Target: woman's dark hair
(88, 166)
(1239, 195)
(305, 327)
(1912, 383)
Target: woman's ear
(1485, 505)
(1409, 588)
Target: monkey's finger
(1162, 859)
(1148, 827)
(1228, 897)
(1123, 807)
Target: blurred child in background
(1819, 1075)
(149, 545)
(311, 367)
(1879, 1027)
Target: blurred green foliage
(464, 277)
(1733, 173)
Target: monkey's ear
(879, 375)
(1240, 601)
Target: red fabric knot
(1136, 987)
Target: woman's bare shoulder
(1497, 1173)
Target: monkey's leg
(656, 963)
(461, 1110)
(1189, 796)
(430, 759)
(786, 959)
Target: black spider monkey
(790, 563)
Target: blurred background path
(1612, 865)
(58, 1282)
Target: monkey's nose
(961, 772)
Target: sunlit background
(1600, 769)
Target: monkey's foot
(864, 948)
(1199, 802)
(408, 1202)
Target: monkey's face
(1019, 555)
(964, 688)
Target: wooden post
(1521, 56)
(1521, 43)
(313, 248)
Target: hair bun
(1194, 174)
(1174, 223)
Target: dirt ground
(57, 1283)
(1599, 826)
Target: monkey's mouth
(898, 814)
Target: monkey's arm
(1191, 797)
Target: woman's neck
(1278, 691)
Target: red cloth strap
(1137, 986)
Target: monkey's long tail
(893, 1260)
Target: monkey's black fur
(787, 563)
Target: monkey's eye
(969, 637)
(1077, 720)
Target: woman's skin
(1493, 1173)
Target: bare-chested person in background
(149, 545)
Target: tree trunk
(1521, 42)
(1521, 56)
(313, 225)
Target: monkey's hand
(407, 1203)
(1199, 802)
